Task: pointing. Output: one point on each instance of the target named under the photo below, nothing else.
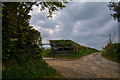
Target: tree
(115, 6)
(18, 36)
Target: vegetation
(35, 68)
(115, 6)
(76, 50)
(46, 53)
(21, 51)
(19, 39)
(112, 52)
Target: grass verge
(36, 68)
(112, 52)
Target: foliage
(46, 53)
(35, 68)
(76, 50)
(115, 6)
(18, 37)
(112, 51)
(21, 43)
(52, 6)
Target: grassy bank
(36, 68)
(79, 50)
(76, 55)
(112, 52)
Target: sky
(86, 23)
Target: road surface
(91, 66)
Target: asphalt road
(91, 66)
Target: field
(79, 50)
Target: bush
(112, 51)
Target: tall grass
(35, 68)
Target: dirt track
(91, 66)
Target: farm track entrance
(62, 51)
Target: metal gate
(62, 51)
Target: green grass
(72, 56)
(80, 50)
(84, 53)
(36, 68)
(112, 52)
(110, 58)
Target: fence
(62, 51)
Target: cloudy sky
(87, 23)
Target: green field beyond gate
(67, 49)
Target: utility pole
(110, 40)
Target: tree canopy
(19, 38)
(115, 6)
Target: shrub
(112, 51)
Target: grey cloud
(85, 23)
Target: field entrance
(60, 50)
